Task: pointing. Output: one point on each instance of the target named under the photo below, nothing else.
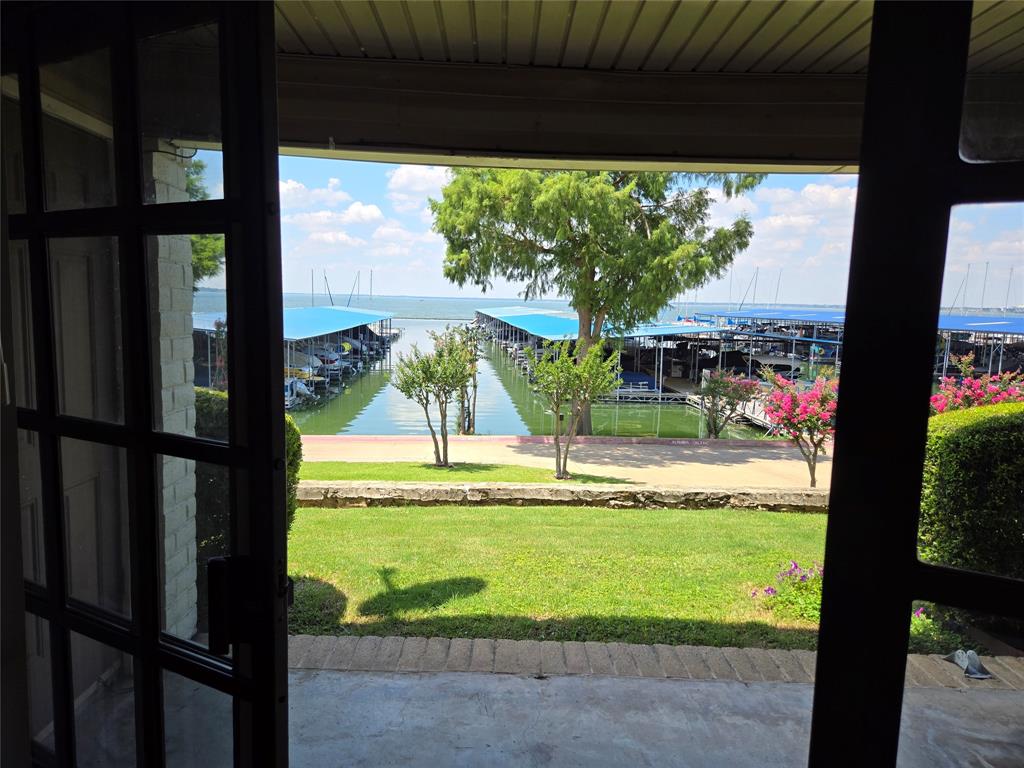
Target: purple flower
(753, 593)
(769, 591)
(804, 577)
(919, 613)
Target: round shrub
(212, 421)
(972, 502)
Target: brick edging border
(536, 658)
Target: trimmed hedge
(212, 421)
(972, 503)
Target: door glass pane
(104, 704)
(22, 364)
(972, 513)
(32, 552)
(189, 330)
(954, 715)
(179, 93)
(87, 326)
(78, 132)
(96, 524)
(197, 724)
(14, 157)
(194, 499)
(992, 128)
(40, 690)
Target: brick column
(170, 265)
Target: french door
(140, 181)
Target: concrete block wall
(170, 267)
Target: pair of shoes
(969, 662)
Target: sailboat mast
(1006, 304)
(967, 279)
(984, 286)
(778, 284)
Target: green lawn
(559, 573)
(416, 472)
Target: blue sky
(347, 217)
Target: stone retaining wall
(319, 493)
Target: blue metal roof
(306, 322)
(561, 326)
(1010, 324)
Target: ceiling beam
(499, 115)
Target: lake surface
(370, 405)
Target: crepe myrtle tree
(724, 395)
(470, 336)
(569, 384)
(435, 377)
(618, 245)
(805, 415)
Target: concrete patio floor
(480, 719)
(373, 701)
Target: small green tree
(451, 372)
(723, 397)
(412, 378)
(471, 337)
(569, 385)
(436, 377)
(207, 250)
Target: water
(505, 405)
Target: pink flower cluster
(805, 413)
(985, 390)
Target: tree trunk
(460, 426)
(583, 345)
(472, 406)
(573, 427)
(558, 447)
(811, 456)
(433, 436)
(443, 408)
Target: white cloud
(356, 213)
(800, 222)
(295, 194)
(409, 186)
(336, 237)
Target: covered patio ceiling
(631, 84)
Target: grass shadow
(319, 608)
(423, 596)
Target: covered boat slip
(660, 361)
(665, 359)
(996, 341)
(323, 346)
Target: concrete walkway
(688, 463)
(437, 702)
(377, 719)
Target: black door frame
(911, 174)
(256, 677)
(910, 141)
